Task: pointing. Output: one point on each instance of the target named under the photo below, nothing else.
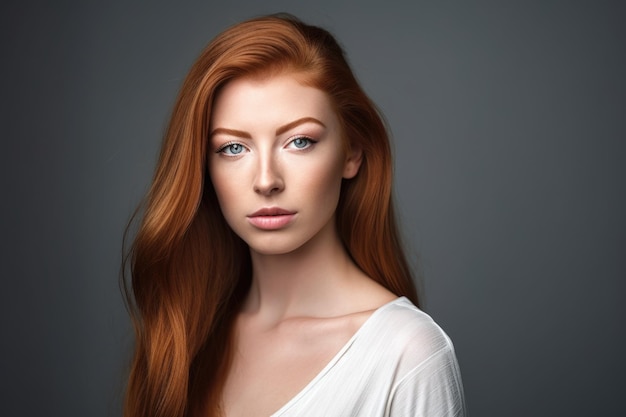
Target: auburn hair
(189, 272)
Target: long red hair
(189, 270)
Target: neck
(310, 281)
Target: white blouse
(399, 363)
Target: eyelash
(227, 145)
(310, 142)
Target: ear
(353, 162)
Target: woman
(267, 273)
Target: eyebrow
(279, 131)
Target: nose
(268, 180)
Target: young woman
(267, 273)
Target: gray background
(510, 139)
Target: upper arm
(431, 389)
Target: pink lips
(271, 218)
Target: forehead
(250, 102)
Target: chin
(274, 247)
(273, 250)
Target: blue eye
(231, 149)
(302, 142)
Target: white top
(399, 363)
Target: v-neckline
(331, 364)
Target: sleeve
(432, 389)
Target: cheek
(322, 183)
(225, 189)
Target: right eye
(231, 149)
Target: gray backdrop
(509, 133)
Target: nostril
(268, 181)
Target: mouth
(271, 211)
(271, 218)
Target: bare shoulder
(364, 294)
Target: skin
(276, 143)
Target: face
(276, 160)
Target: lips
(271, 218)
(271, 211)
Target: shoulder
(410, 332)
(424, 362)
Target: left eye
(301, 142)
